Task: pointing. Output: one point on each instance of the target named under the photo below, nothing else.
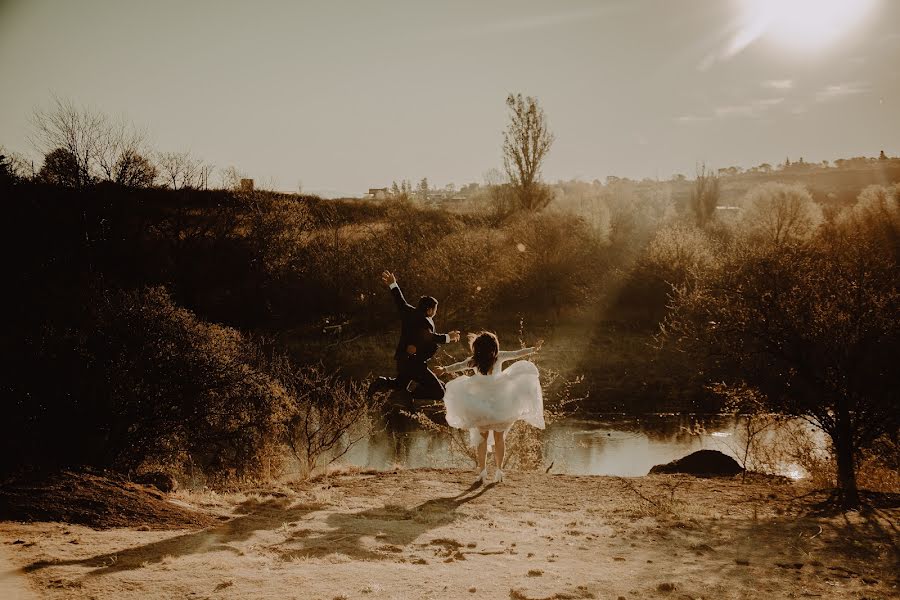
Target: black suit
(416, 330)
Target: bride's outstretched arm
(505, 355)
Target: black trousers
(428, 387)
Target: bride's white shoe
(498, 476)
(482, 477)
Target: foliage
(134, 170)
(778, 213)
(61, 168)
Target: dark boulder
(702, 462)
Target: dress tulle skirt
(495, 402)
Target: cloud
(749, 110)
(778, 84)
(841, 90)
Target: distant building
(377, 193)
(246, 185)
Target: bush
(326, 416)
(140, 383)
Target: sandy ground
(431, 534)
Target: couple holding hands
(488, 402)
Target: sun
(803, 24)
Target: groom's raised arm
(391, 281)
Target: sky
(341, 96)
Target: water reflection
(621, 445)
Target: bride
(492, 399)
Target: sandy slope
(429, 534)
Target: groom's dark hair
(426, 302)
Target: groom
(418, 343)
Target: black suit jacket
(415, 330)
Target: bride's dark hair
(484, 351)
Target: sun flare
(804, 24)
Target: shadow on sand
(391, 526)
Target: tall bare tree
(526, 142)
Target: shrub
(326, 416)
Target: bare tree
(526, 142)
(231, 178)
(179, 169)
(118, 143)
(327, 417)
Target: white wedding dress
(495, 401)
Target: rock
(701, 462)
(161, 481)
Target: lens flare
(803, 24)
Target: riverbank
(429, 533)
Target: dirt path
(429, 534)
